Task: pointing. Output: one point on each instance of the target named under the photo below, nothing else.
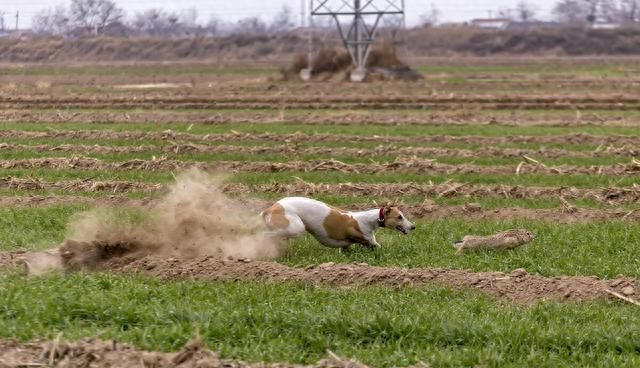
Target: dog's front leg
(372, 242)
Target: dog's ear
(387, 208)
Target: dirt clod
(628, 291)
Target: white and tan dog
(290, 217)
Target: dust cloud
(193, 219)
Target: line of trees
(570, 12)
(589, 11)
(100, 17)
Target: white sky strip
(450, 10)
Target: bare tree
(525, 11)
(151, 22)
(623, 11)
(157, 22)
(250, 25)
(188, 18)
(431, 18)
(2, 25)
(213, 26)
(571, 11)
(506, 13)
(95, 15)
(54, 21)
(283, 21)
(631, 10)
(592, 9)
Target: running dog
(290, 217)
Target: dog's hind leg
(294, 227)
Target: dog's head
(395, 219)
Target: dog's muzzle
(404, 230)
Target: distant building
(526, 26)
(491, 23)
(605, 25)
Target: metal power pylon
(357, 22)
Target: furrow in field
(87, 185)
(603, 195)
(249, 101)
(400, 165)
(516, 287)
(610, 195)
(329, 117)
(293, 138)
(434, 106)
(382, 150)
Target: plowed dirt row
(441, 106)
(606, 195)
(401, 164)
(96, 353)
(389, 150)
(610, 195)
(517, 287)
(631, 140)
(54, 200)
(327, 102)
(564, 215)
(315, 117)
(78, 185)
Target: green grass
(356, 130)
(296, 323)
(601, 249)
(35, 227)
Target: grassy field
(297, 323)
(292, 322)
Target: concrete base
(358, 75)
(305, 75)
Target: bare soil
(331, 117)
(371, 101)
(97, 353)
